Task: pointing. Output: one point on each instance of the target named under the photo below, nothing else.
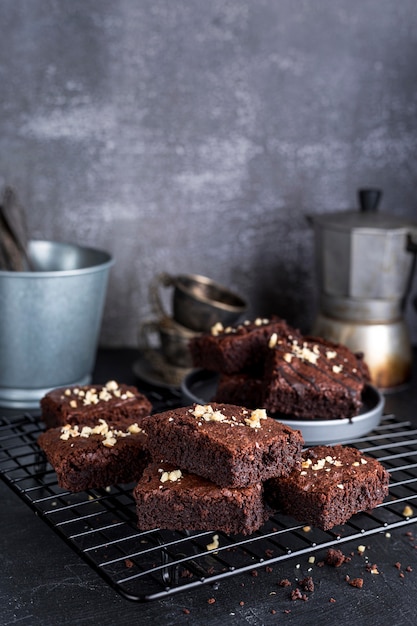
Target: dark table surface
(44, 582)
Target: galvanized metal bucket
(50, 320)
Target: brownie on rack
(238, 348)
(169, 498)
(84, 457)
(230, 445)
(117, 404)
(333, 483)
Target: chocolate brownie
(237, 348)
(334, 483)
(115, 403)
(229, 445)
(174, 499)
(313, 378)
(242, 389)
(99, 456)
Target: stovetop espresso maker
(365, 262)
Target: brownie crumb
(332, 600)
(129, 563)
(273, 611)
(284, 583)
(307, 584)
(186, 611)
(334, 557)
(211, 600)
(297, 595)
(356, 582)
(397, 565)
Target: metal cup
(198, 302)
(169, 338)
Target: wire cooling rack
(100, 525)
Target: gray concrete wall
(195, 135)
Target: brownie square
(230, 445)
(334, 483)
(236, 348)
(313, 378)
(242, 389)
(99, 456)
(174, 499)
(115, 403)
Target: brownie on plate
(113, 402)
(84, 457)
(230, 445)
(169, 498)
(313, 378)
(237, 348)
(334, 483)
(240, 388)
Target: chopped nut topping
(109, 442)
(134, 429)
(208, 414)
(408, 511)
(340, 486)
(110, 435)
(171, 476)
(92, 396)
(215, 543)
(337, 369)
(217, 329)
(254, 421)
(273, 340)
(330, 354)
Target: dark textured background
(194, 136)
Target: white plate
(200, 386)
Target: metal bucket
(50, 320)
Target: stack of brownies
(93, 436)
(203, 467)
(267, 363)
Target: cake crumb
(334, 557)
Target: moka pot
(365, 262)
